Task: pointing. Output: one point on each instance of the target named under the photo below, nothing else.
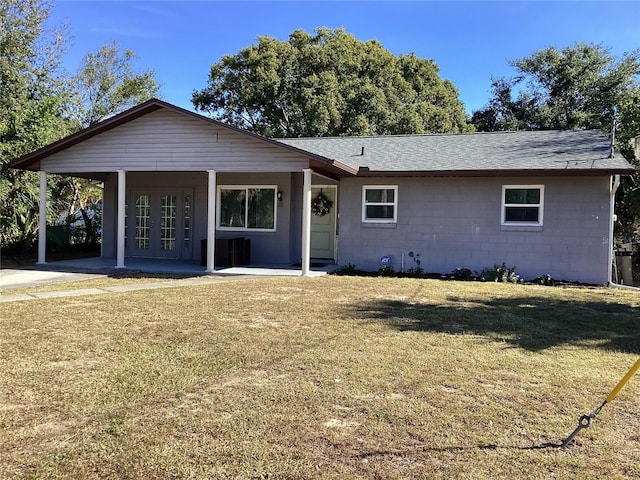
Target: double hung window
(522, 205)
(380, 203)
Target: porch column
(306, 222)
(122, 192)
(42, 229)
(211, 221)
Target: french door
(159, 223)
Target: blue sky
(471, 41)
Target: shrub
(387, 271)
(462, 274)
(500, 273)
(348, 269)
(545, 279)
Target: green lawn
(330, 377)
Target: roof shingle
(582, 150)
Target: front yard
(331, 377)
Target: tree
(106, 84)
(40, 104)
(33, 97)
(628, 197)
(576, 87)
(505, 113)
(579, 87)
(329, 84)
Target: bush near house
(497, 273)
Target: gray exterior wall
(163, 140)
(451, 222)
(456, 222)
(266, 247)
(279, 247)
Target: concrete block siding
(452, 221)
(456, 222)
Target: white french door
(159, 223)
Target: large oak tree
(329, 84)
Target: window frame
(246, 188)
(365, 219)
(539, 205)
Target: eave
(574, 172)
(32, 160)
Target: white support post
(42, 229)
(122, 192)
(306, 222)
(211, 221)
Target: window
(143, 221)
(379, 204)
(522, 204)
(187, 222)
(247, 208)
(168, 209)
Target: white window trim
(394, 203)
(246, 187)
(540, 206)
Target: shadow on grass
(395, 453)
(528, 322)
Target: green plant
(387, 271)
(462, 274)
(348, 269)
(500, 273)
(545, 279)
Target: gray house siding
(456, 222)
(453, 220)
(279, 247)
(161, 140)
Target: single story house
(176, 183)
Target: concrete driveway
(12, 278)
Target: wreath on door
(321, 205)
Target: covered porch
(147, 226)
(174, 179)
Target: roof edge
(363, 172)
(31, 160)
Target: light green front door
(323, 225)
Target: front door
(323, 222)
(158, 224)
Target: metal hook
(584, 422)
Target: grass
(101, 281)
(330, 377)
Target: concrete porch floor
(170, 266)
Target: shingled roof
(582, 152)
